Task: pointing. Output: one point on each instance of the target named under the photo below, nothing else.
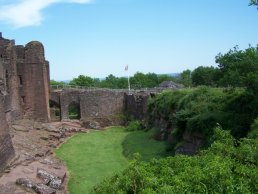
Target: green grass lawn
(93, 156)
(142, 142)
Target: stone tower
(24, 89)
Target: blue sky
(99, 37)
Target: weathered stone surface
(24, 90)
(91, 125)
(50, 128)
(20, 128)
(53, 180)
(25, 182)
(136, 105)
(6, 147)
(93, 104)
(44, 189)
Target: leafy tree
(138, 80)
(53, 82)
(122, 83)
(208, 76)
(253, 3)
(239, 68)
(82, 80)
(110, 81)
(151, 81)
(185, 78)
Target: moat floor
(97, 155)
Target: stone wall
(6, 148)
(98, 105)
(136, 105)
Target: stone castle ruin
(25, 94)
(24, 88)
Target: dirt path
(34, 145)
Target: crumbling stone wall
(6, 148)
(94, 105)
(108, 105)
(136, 105)
(9, 78)
(33, 72)
(24, 80)
(24, 89)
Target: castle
(24, 88)
(25, 93)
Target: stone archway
(74, 111)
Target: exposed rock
(53, 180)
(44, 189)
(46, 161)
(91, 125)
(44, 138)
(50, 128)
(25, 182)
(20, 128)
(55, 183)
(24, 122)
(37, 126)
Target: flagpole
(128, 77)
(129, 87)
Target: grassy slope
(92, 157)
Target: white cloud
(22, 13)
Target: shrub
(201, 109)
(134, 126)
(254, 130)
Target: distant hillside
(173, 74)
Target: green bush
(134, 126)
(254, 130)
(201, 109)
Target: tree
(82, 80)
(239, 68)
(253, 3)
(205, 76)
(138, 80)
(53, 82)
(185, 78)
(165, 77)
(110, 81)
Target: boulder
(51, 179)
(25, 182)
(44, 189)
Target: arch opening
(74, 111)
(55, 111)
